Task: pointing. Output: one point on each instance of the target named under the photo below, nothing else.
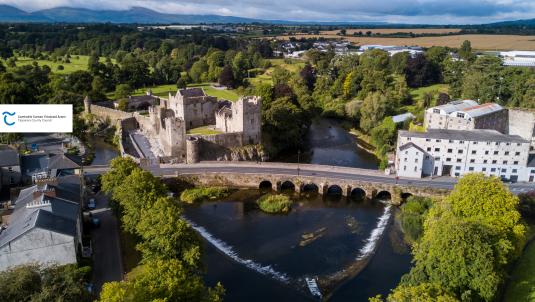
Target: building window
(427, 157)
(461, 142)
(427, 139)
(448, 159)
(460, 151)
(485, 161)
(437, 149)
(450, 150)
(450, 141)
(457, 174)
(11, 180)
(416, 160)
(475, 143)
(438, 141)
(488, 143)
(405, 159)
(504, 170)
(471, 169)
(506, 152)
(406, 152)
(518, 144)
(472, 161)
(474, 152)
(495, 152)
(494, 161)
(517, 153)
(487, 152)
(404, 168)
(533, 171)
(514, 171)
(457, 167)
(493, 170)
(508, 144)
(414, 169)
(437, 158)
(497, 143)
(10, 169)
(459, 114)
(436, 110)
(484, 169)
(515, 162)
(459, 160)
(505, 162)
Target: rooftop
(481, 135)
(455, 106)
(192, 92)
(483, 109)
(402, 117)
(8, 156)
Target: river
(260, 257)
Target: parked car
(92, 204)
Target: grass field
(163, 91)
(479, 42)
(204, 130)
(396, 30)
(77, 63)
(418, 94)
(521, 287)
(290, 65)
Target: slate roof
(483, 109)
(402, 117)
(43, 162)
(456, 106)
(410, 145)
(8, 156)
(192, 92)
(483, 135)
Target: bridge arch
(265, 185)
(310, 188)
(358, 194)
(383, 195)
(405, 196)
(287, 186)
(334, 190)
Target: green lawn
(418, 94)
(163, 91)
(521, 286)
(77, 63)
(204, 130)
(265, 78)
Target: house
(44, 165)
(45, 226)
(9, 166)
(444, 152)
(467, 115)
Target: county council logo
(6, 114)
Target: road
(107, 263)
(289, 169)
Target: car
(92, 204)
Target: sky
(394, 11)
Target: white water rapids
(375, 235)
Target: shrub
(199, 194)
(274, 203)
(412, 216)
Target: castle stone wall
(108, 113)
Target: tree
(137, 192)
(198, 71)
(120, 168)
(309, 77)
(425, 292)
(123, 91)
(123, 105)
(20, 283)
(161, 280)
(465, 51)
(420, 72)
(398, 62)
(385, 133)
(226, 78)
(373, 110)
(488, 201)
(166, 235)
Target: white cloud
(410, 11)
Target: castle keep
(191, 125)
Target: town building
(518, 58)
(9, 166)
(467, 115)
(45, 165)
(44, 226)
(445, 152)
(413, 51)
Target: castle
(191, 125)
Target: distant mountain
(138, 15)
(134, 15)
(526, 22)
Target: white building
(518, 58)
(392, 50)
(467, 115)
(440, 152)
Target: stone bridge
(325, 180)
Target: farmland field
(479, 42)
(396, 30)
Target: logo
(6, 114)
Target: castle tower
(192, 150)
(247, 118)
(87, 104)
